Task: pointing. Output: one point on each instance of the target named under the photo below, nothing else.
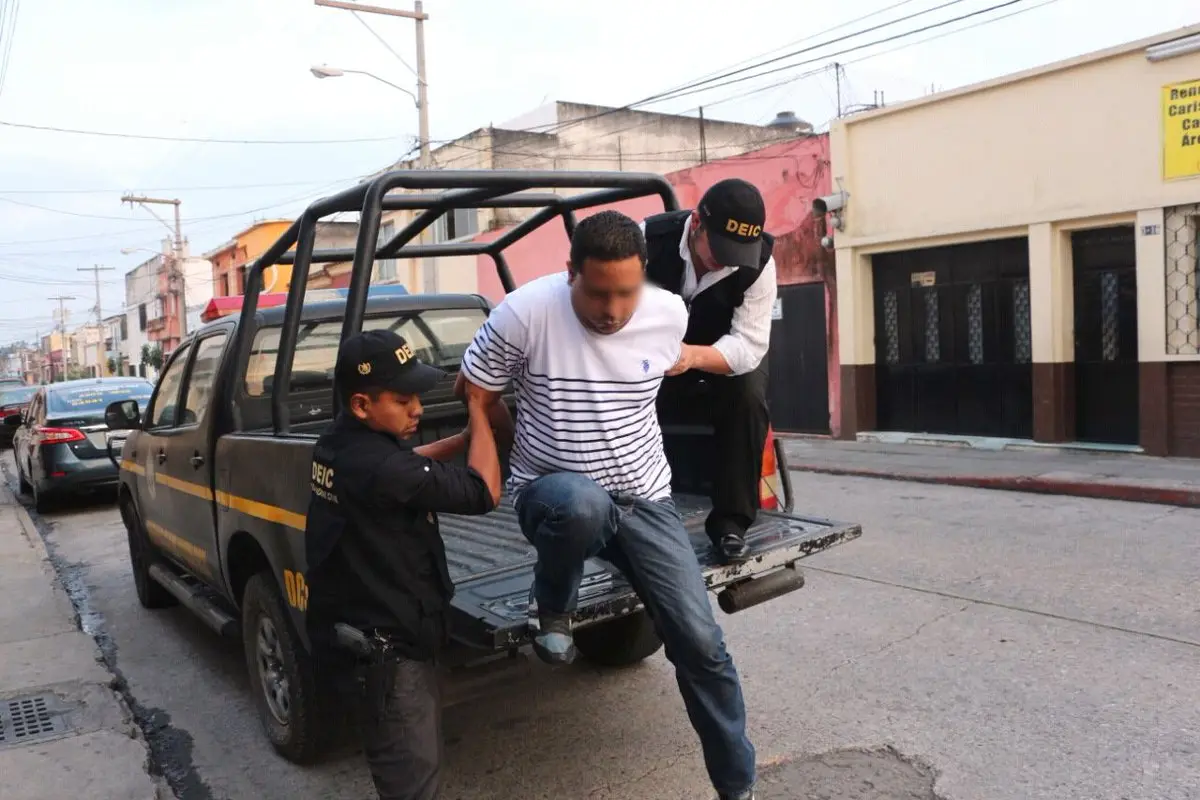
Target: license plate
(98, 439)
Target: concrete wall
(789, 174)
(1070, 146)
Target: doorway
(1106, 345)
(953, 340)
(798, 391)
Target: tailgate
(492, 566)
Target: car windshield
(11, 397)
(95, 398)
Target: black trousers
(736, 406)
(401, 726)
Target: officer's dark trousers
(402, 731)
(736, 406)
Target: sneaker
(746, 795)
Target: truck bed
(491, 563)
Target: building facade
(557, 136)
(803, 356)
(1018, 258)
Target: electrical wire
(383, 42)
(8, 43)
(194, 139)
(118, 190)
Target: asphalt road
(973, 645)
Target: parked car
(10, 383)
(61, 443)
(13, 402)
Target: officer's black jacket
(375, 557)
(710, 315)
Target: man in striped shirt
(586, 352)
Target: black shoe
(554, 642)
(728, 538)
(746, 795)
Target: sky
(239, 70)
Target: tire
(290, 705)
(41, 502)
(150, 593)
(620, 642)
(23, 486)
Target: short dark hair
(606, 236)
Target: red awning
(224, 306)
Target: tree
(152, 356)
(114, 367)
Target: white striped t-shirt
(585, 401)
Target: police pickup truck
(215, 470)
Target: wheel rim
(269, 656)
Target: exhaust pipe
(749, 593)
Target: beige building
(560, 136)
(1018, 258)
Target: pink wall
(789, 175)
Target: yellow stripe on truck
(254, 508)
(192, 554)
(262, 510)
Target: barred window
(1182, 243)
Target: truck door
(160, 500)
(188, 469)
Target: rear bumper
(78, 475)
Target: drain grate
(27, 719)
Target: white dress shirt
(745, 346)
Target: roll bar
(433, 193)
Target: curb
(1157, 495)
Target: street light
(325, 71)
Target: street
(972, 645)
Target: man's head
(726, 228)
(607, 270)
(380, 381)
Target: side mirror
(123, 415)
(15, 421)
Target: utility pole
(175, 277)
(419, 15)
(703, 145)
(101, 365)
(837, 77)
(62, 333)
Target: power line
(118, 190)
(8, 43)
(383, 41)
(193, 139)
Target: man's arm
(444, 449)
(742, 349)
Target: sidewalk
(1114, 476)
(64, 732)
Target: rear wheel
(22, 484)
(41, 501)
(286, 693)
(619, 642)
(150, 592)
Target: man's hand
(471, 394)
(705, 359)
(687, 360)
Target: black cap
(382, 360)
(733, 214)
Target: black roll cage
(441, 192)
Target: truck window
(204, 373)
(162, 413)
(438, 337)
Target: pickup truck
(215, 471)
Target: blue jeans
(569, 518)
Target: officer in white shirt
(718, 259)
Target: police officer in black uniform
(718, 259)
(376, 560)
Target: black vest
(710, 314)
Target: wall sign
(923, 278)
(1181, 129)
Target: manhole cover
(28, 719)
